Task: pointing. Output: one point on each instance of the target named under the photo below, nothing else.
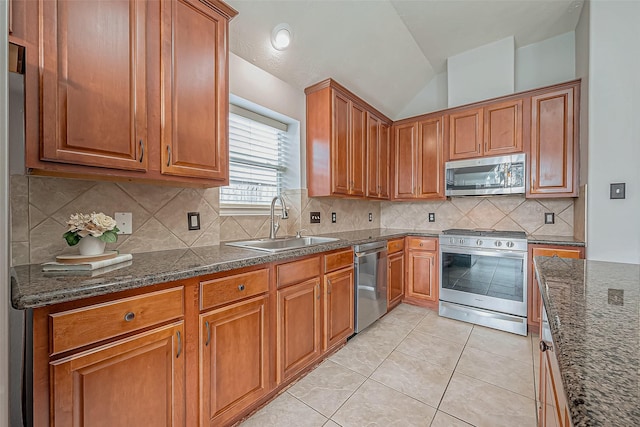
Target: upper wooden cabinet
(94, 98)
(130, 90)
(338, 133)
(493, 130)
(553, 158)
(195, 90)
(377, 158)
(418, 159)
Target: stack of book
(86, 263)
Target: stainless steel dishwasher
(370, 283)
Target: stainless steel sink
(282, 244)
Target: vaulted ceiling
(386, 51)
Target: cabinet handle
(141, 151)
(318, 291)
(328, 286)
(169, 156)
(544, 346)
(206, 325)
(179, 344)
(421, 244)
(129, 316)
(485, 146)
(241, 287)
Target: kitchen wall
(40, 207)
(513, 213)
(613, 227)
(545, 63)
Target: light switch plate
(193, 220)
(617, 191)
(314, 218)
(124, 221)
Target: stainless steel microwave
(485, 176)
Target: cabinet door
(134, 381)
(358, 146)
(194, 91)
(553, 158)
(234, 359)
(93, 79)
(465, 134)
(298, 335)
(373, 149)
(383, 161)
(503, 128)
(431, 163)
(405, 160)
(340, 181)
(338, 306)
(422, 281)
(395, 277)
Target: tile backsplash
(40, 207)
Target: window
(256, 162)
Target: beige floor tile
(501, 343)
(327, 387)
(432, 349)
(331, 424)
(413, 377)
(374, 404)
(409, 315)
(385, 333)
(497, 370)
(443, 419)
(285, 410)
(361, 356)
(485, 405)
(451, 330)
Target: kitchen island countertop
(594, 316)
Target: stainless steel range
(483, 278)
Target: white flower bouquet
(95, 224)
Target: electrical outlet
(333, 217)
(549, 218)
(193, 220)
(314, 217)
(432, 217)
(370, 217)
(124, 221)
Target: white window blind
(257, 146)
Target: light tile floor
(414, 368)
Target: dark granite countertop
(31, 288)
(554, 240)
(594, 316)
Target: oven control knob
(498, 243)
(452, 240)
(461, 241)
(479, 242)
(510, 244)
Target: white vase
(90, 245)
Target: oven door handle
(483, 252)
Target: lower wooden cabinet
(533, 294)
(338, 306)
(234, 359)
(395, 273)
(422, 271)
(299, 327)
(134, 381)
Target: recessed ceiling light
(281, 36)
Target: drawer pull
(206, 325)
(129, 316)
(544, 346)
(179, 344)
(241, 287)
(421, 244)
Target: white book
(86, 266)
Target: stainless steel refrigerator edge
(370, 261)
(20, 326)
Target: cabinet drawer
(297, 271)
(561, 253)
(233, 288)
(395, 245)
(338, 260)
(83, 326)
(425, 244)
